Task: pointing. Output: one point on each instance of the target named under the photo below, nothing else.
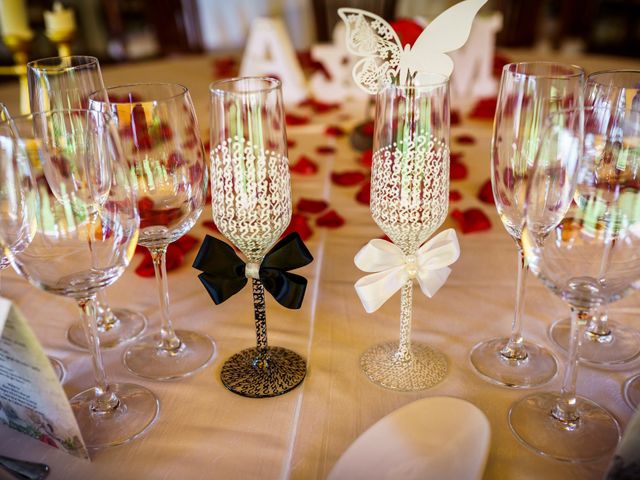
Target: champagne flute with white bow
(409, 201)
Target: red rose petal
(367, 158)
(471, 220)
(367, 129)
(307, 205)
(364, 194)
(455, 118)
(331, 219)
(347, 178)
(334, 131)
(325, 149)
(486, 193)
(454, 195)
(485, 108)
(186, 243)
(465, 139)
(299, 223)
(291, 143)
(211, 225)
(456, 156)
(304, 166)
(293, 119)
(145, 269)
(458, 171)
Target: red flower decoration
(465, 139)
(484, 109)
(299, 223)
(367, 158)
(454, 195)
(334, 131)
(471, 220)
(486, 193)
(293, 119)
(458, 171)
(308, 205)
(331, 219)
(175, 256)
(211, 225)
(408, 30)
(364, 194)
(325, 149)
(291, 143)
(348, 178)
(304, 166)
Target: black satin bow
(223, 272)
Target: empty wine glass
(64, 83)
(606, 342)
(251, 186)
(164, 154)
(582, 240)
(63, 177)
(528, 93)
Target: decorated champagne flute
(82, 224)
(528, 93)
(409, 201)
(251, 192)
(161, 141)
(63, 83)
(605, 342)
(582, 240)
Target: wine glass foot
(146, 359)
(128, 327)
(632, 391)
(536, 369)
(284, 371)
(425, 368)
(595, 435)
(58, 368)
(620, 347)
(136, 413)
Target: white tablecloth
(205, 431)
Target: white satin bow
(393, 268)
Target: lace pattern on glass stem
(252, 196)
(409, 189)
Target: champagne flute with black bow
(528, 93)
(251, 204)
(161, 141)
(63, 83)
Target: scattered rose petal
(456, 156)
(486, 193)
(458, 171)
(347, 178)
(299, 223)
(307, 205)
(367, 129)
(454, 195)
(292, 119)
(325, 149)
(304, 166)
(334, 131)
(331, 219)
(485, 108)
(471, 220)
(224, 67)
(211, 225)
(318, 106)
(465, 139)
(174, 257)
(455, 118)
(364, 194)
(367, 158)
(291, 143)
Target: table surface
(205, 431)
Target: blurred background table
(205, 431)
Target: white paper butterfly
(371, 37)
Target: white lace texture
(410, 189)
(251, 195)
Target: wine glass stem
(514, 349)
(406, 309)
(106, 319)
(106, 400)
(260, 315)
(169, 340)
(566, 408)
(598, 327)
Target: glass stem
(514, 349)
(566, 408)
(169, 340)
(598, 328)
(406, 309)
(106, 400)
(260, 315)
(106, 319)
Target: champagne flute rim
(217, 87)
(41, 63)
(576, 70)
(181, 91)
(592, 77)
(48, 113)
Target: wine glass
(582, 240)
(81, 224)
(63, 83)
(161, 140)
(528, 92)
(409, 201)
(606, 342)
(632, 391)
(251, 186)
